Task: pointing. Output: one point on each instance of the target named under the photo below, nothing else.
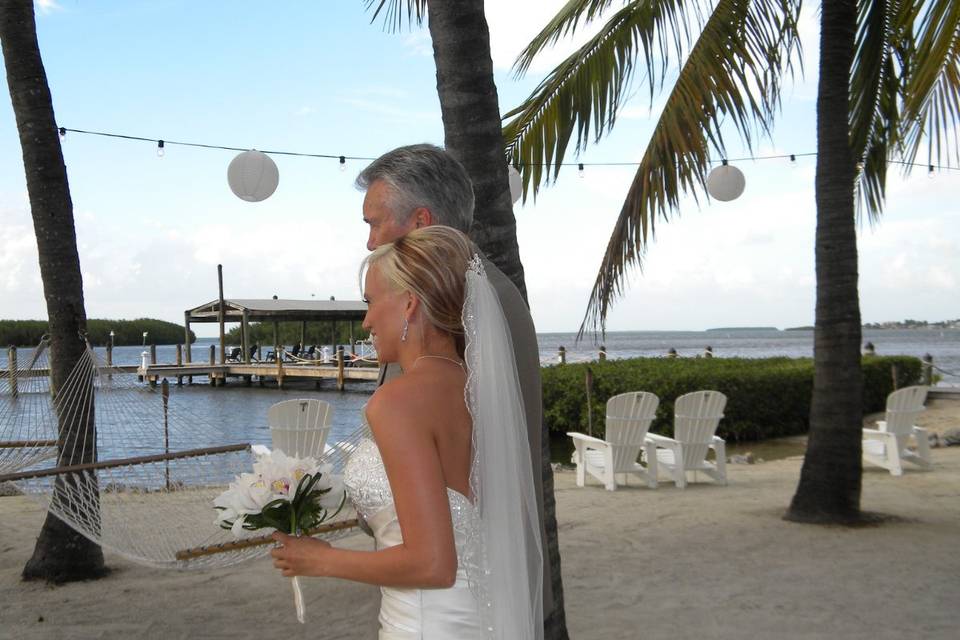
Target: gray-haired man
(419, 185)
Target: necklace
(456, 362)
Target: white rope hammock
(146, 487)
(25, 439)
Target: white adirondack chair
(628, 418)
(300, 427)
(886, 446)
(695, 419)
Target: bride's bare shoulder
(409, 399)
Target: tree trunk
(829, 488)
(472, 126)
(61, 554)
(473, 134)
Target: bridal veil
(506, 573)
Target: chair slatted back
(628, 419)
(300, 427)
(903, 407)
(696, 416)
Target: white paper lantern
(726, 183)
(253, 176)
(516, 183)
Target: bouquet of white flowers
(292, 495)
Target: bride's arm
(400, 418)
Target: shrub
(766, 398)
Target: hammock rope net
(144, 486)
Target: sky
(320, 78)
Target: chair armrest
(660, 440)
(876, 434)
(589, 440)
(717, 440)
(919, 431)
(259, 449)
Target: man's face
(377, 214)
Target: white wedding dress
(428, 614)
(497, 593)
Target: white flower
(247, 495)
(275, 476)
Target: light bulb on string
(63, 132)
(793, 161)
(343, 163)
(580, 169)
(930, 171)
(160, 150)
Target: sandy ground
(706, 562)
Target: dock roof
(278, 310)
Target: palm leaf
(732, 75)
(588, 88)
(393, 13)
(931, 109)
(875, 92)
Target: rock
(9, 489)
(951, 437)
(934, 440)
(746, 458)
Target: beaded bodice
(369, 489)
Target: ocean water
(237, 413)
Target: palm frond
(563, 24)
(393, 13)
(732, 75)
(587, 89)
(931, 109)
(875, 92)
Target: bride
(446, 484)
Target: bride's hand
(299, 556)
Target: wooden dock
(219, 373)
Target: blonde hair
(430, 263)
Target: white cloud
(46, 6)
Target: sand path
(706, 562)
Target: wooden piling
(12, 370)
(179, 364)
(603, 353)
(165, 394)
(562, 354)
(213, 361)
(340, 377)
(153, 354)
(186, 336)
(927, 368)
(279, 359)
(220, 319)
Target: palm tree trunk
(472, 126)
(829, 488)
(61, 554)
(473, 134)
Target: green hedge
(765, 397)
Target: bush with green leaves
(25, 333)
(766, 397)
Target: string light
(930, 172)
(580, 169)
(161, 145)
(793, 160)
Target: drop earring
(403, 334)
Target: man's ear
(422, 217)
